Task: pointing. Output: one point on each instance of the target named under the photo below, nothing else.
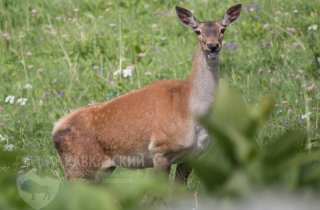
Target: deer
(154, 126)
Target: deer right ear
(186, 17)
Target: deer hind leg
(87, 166)
(81, 158)
(78, 166)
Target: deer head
(210, 33)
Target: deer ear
(231, 15)
(186, 17)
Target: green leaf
(285, 147)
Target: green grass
(68, 51)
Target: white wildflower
(313, 27)
(163, 38)
(9, 99)
(291, 30)
(7, 36)
(154, 26)
(33, 12)
(305, 115)
(312, 87)
(8, 147)
(22, 101)
(266, 26)
(148, 73)
(27, 86)
(127, 72)
(2, 138)
(29, 53)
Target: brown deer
(154, 126)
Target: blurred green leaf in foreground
(238, 164)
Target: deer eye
(223, 30)
(197, 32)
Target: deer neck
(203, 82)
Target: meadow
(56, 56)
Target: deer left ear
(231, 15)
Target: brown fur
(124, 126)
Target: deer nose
(213, 46)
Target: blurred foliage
(139, 193)
(131, 193)
(238, 164)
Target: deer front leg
(182, 172)
(161, 163)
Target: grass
(61, 55)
